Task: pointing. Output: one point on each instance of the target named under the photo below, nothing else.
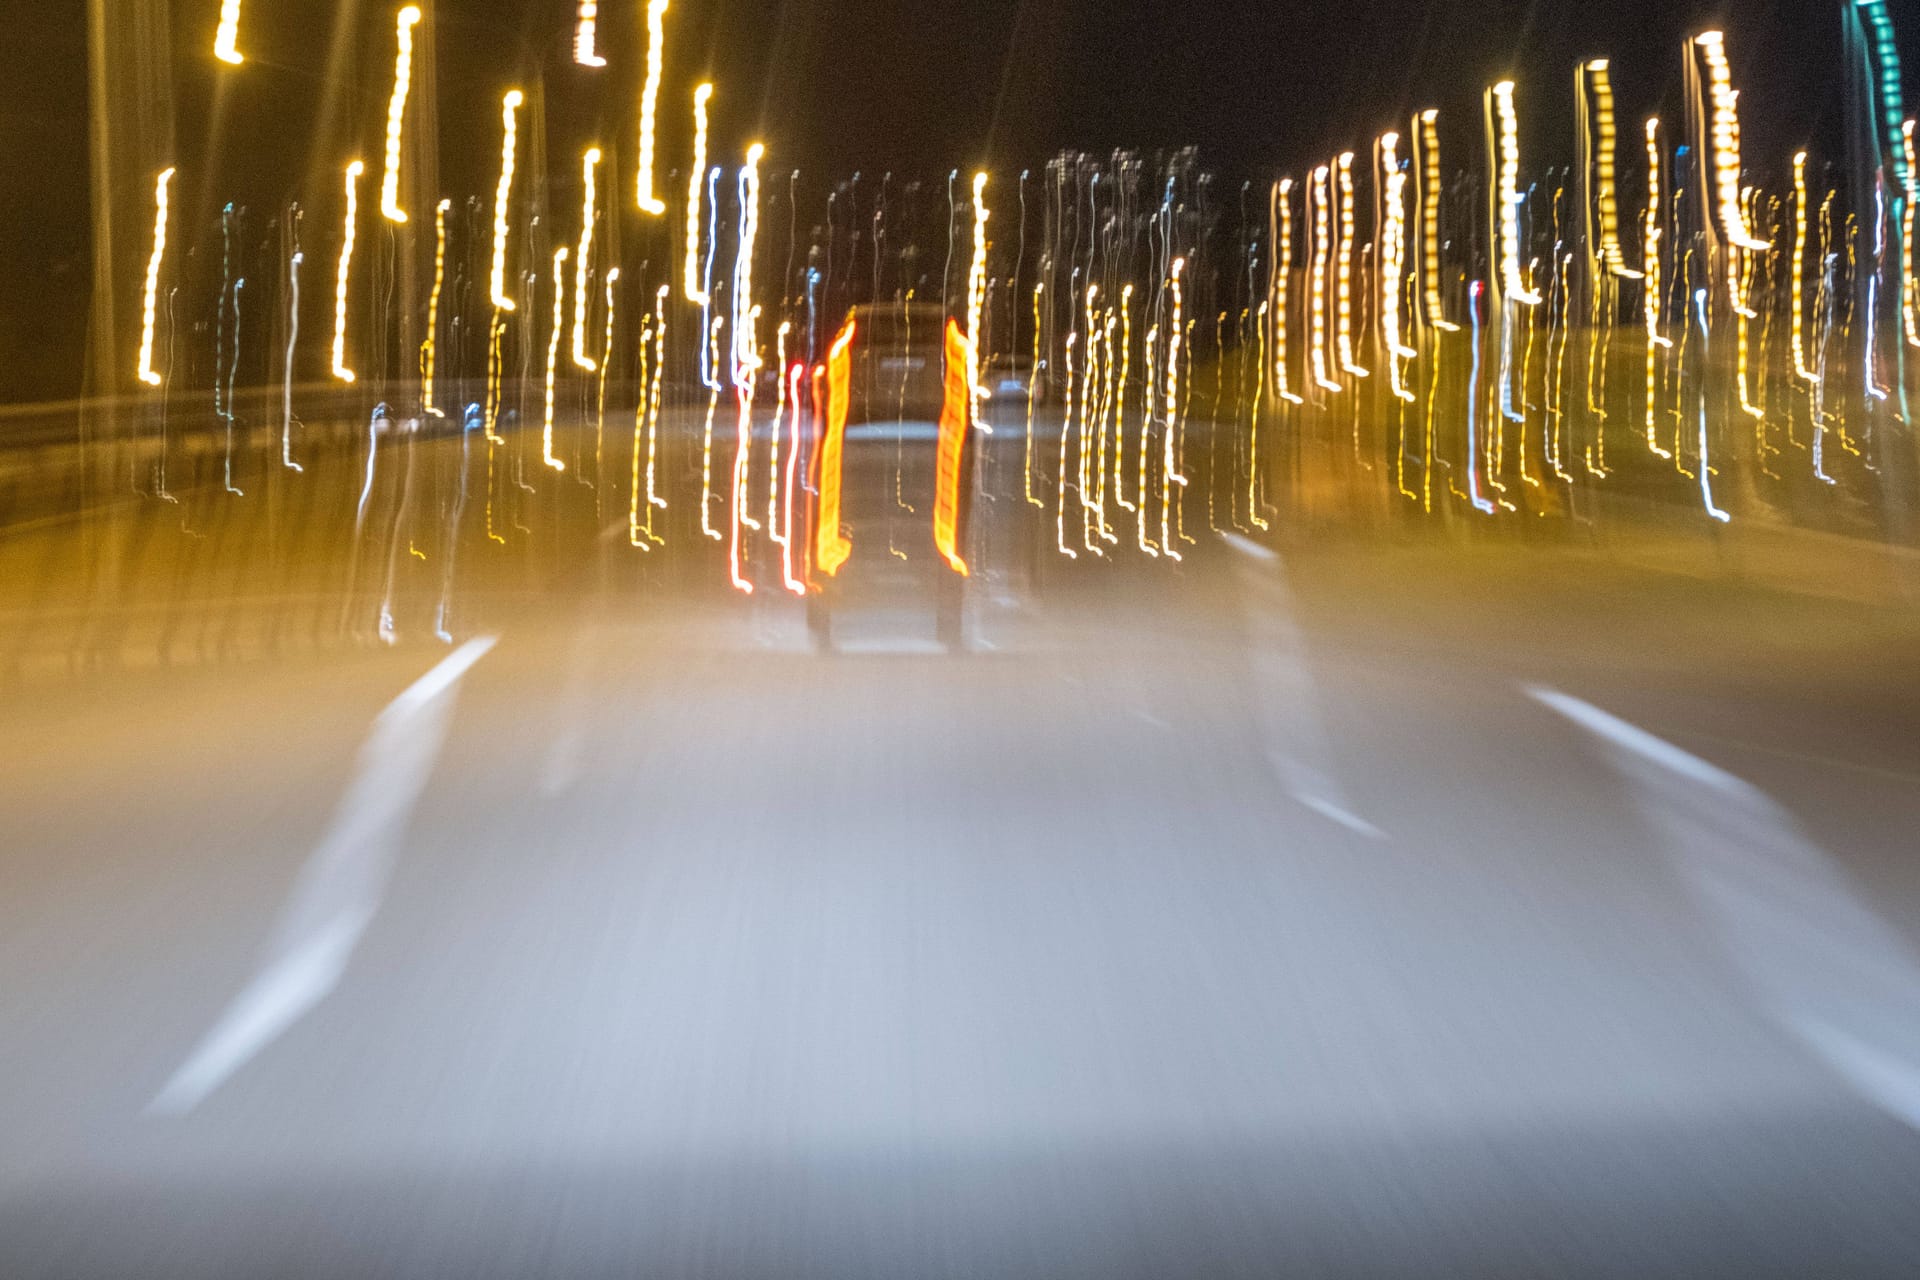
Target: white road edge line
(1635, 739)
(338, 890)
(1829, 971)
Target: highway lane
(697, 952)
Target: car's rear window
(894, 329)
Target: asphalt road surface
(1405, 906)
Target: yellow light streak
(1253, 426)
(1120, 407)
(1726, 143)
(1650, 233)
(1343, 314)
(654, 499)
(585, 35)
(1318, 199)
(649, 96)
(1107, 423)
(635, 535)
(503, 195)
(150, 309)
(1605, 172)
(583, 260)
(646, 424)
(397, 113)
(691, 281)
(433, 306)
(1430, 218)
(976, 299)
(1651, 290)
(553, 354)
(1513, 284)
(1799, 270)
(1283, 279)
(1393, 260)
(1033, 374)
(494, 330)
(226, 36)
(1088, 411)
(340, 369)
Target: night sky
(914, 86)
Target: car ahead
(895, 470)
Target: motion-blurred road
(1391, 907)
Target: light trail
(427, 347)
(1253, 426)
(793, 377)
(746, 360)
(583, 259)
(605, 363)
(1343, 314)
(502, 199)
(1060, 469)
(553, 355)
(1605, 170)
(649, 97)
(1706, 469)
(227, 35)
(1120, 409)
(1650, 270)
(1140, 519)
(1726, 168)
(1726, 144)
(586, 29)
(774, 530)
(831, 547)
(1033, 378)
(1429, 164)
(1283, 280)
(1650, 299)
(150, 308)
(635, 534)
(956, 416)
(340, 369)
(1513, 285)
(1910, 280)
(1319, 198)
(397, 112)
(1798, 271)
(1088, 410)
(654, 499)
(293, 338)
(711, 355)
(692, 283)
(1393, 258)
(976, 301)
(1473, 404)
(1169, 472)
